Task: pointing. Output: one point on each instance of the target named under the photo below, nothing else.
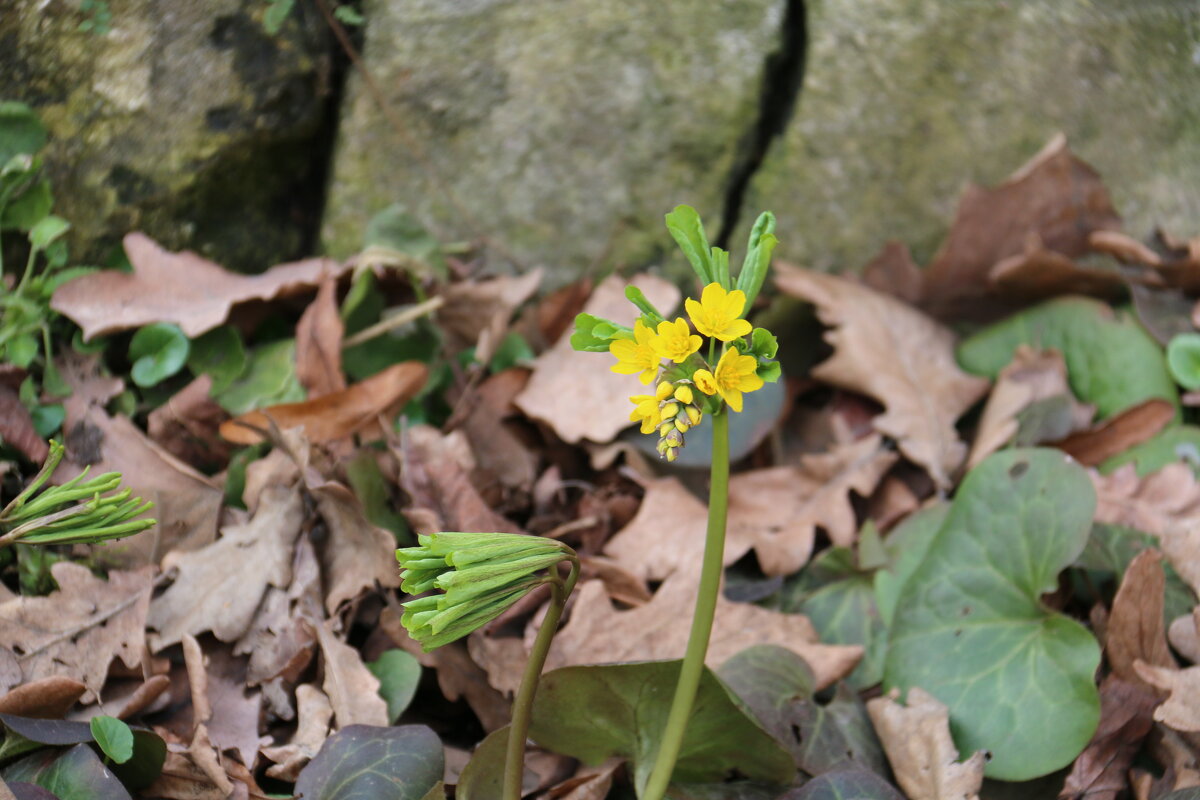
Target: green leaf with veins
(970, 627)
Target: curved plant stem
(702, 619)
(514, 759)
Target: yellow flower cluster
(673, 408)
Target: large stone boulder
(904, 101)
(563, 130)
(182, 119)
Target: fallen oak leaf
(572, 393)
(916, 737)
(1101, 770)
(314, 714)
(339, 414)
(183, 288)
(1181, 710)
(187, 425)
(1135, 630)
(475, 309)
(319, 344)
(220, 587)
(898, 356)
(78, 630)
(352, 689)
(1039, 273)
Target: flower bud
(663, 390)
(693, 415)
(669, 411)
(684, 394)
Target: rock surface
(562, 129)
(182, 119)
(905, 101)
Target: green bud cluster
(79, 511)
(473, 577)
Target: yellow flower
(645, 411)
(638, 355)
(675, 340)
(736, 374)
(705, 381)
(718, 314)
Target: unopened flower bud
(693, 415)
(684, 394)
(681, 425)
(673, 438)
(666, 428)
(669, 411)
(671, 454)
(663, 390)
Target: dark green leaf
(364, 360)
(688, 232)
(848, 784)
(1177, 443)
(269, 379)
(48, 418)
(220, 354)
(348, 16)
(512, 351)
(157, 351)
(363, 762)
(363, 305)
(30, 791)
(839, 599)
(906, 546)
(48, 731)
(483, 777)
(398, 673)
(728, 790)
(76, 774)
(27, 208)
(368, 484)
(1111, 360)
(778, 687)
(969, 627)
(114, 738)
(592, 713)
(650, 315)
(277, 11)
(149, 755)
(21, 132)
(21, 350)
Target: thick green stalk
(702, 619)
(514, 759)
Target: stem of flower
(702, 619)
(514, 759)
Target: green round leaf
(157, 351)
(365, 761)
(114, 737)
(21, 132)
(270, 378)
(21, 350)
(398, 673)
(219, 354)
(483, 777)
(47, 419)
(970, 628)
(1183, 359)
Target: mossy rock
(904, 101)
(562, 129)
(182, 119)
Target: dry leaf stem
(514, 759)
(702, 620)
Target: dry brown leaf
(1101, 770)
(916, 738)
(895, 354)
(319, 344)
(1114, 435)
(556, 311)
(597, 633)
(1123, 247)
(892, 501)
(589, 783)
(474, 309)
(44, 698)
(314, 714)
(1181, 710)
(182, 779)
(1184, 635)
(16, 427)
(621, 584)
(894, 272)
(352, 690)
(434, 471)
(339, 414)
(233, 724)
(1056, 196)
(78, 630)
(1039, 273)
(279, 641)
(1165, 503)
(777, 511)
(1135, 626)
(219, 588)
(504, 466)
(575, 393)
(183, 288)
(187, 425)
(651, 549)
(1031, 376)
(186, 503)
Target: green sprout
(474, 578)
(80, 511)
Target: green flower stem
(514, 759)
(702, 619)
